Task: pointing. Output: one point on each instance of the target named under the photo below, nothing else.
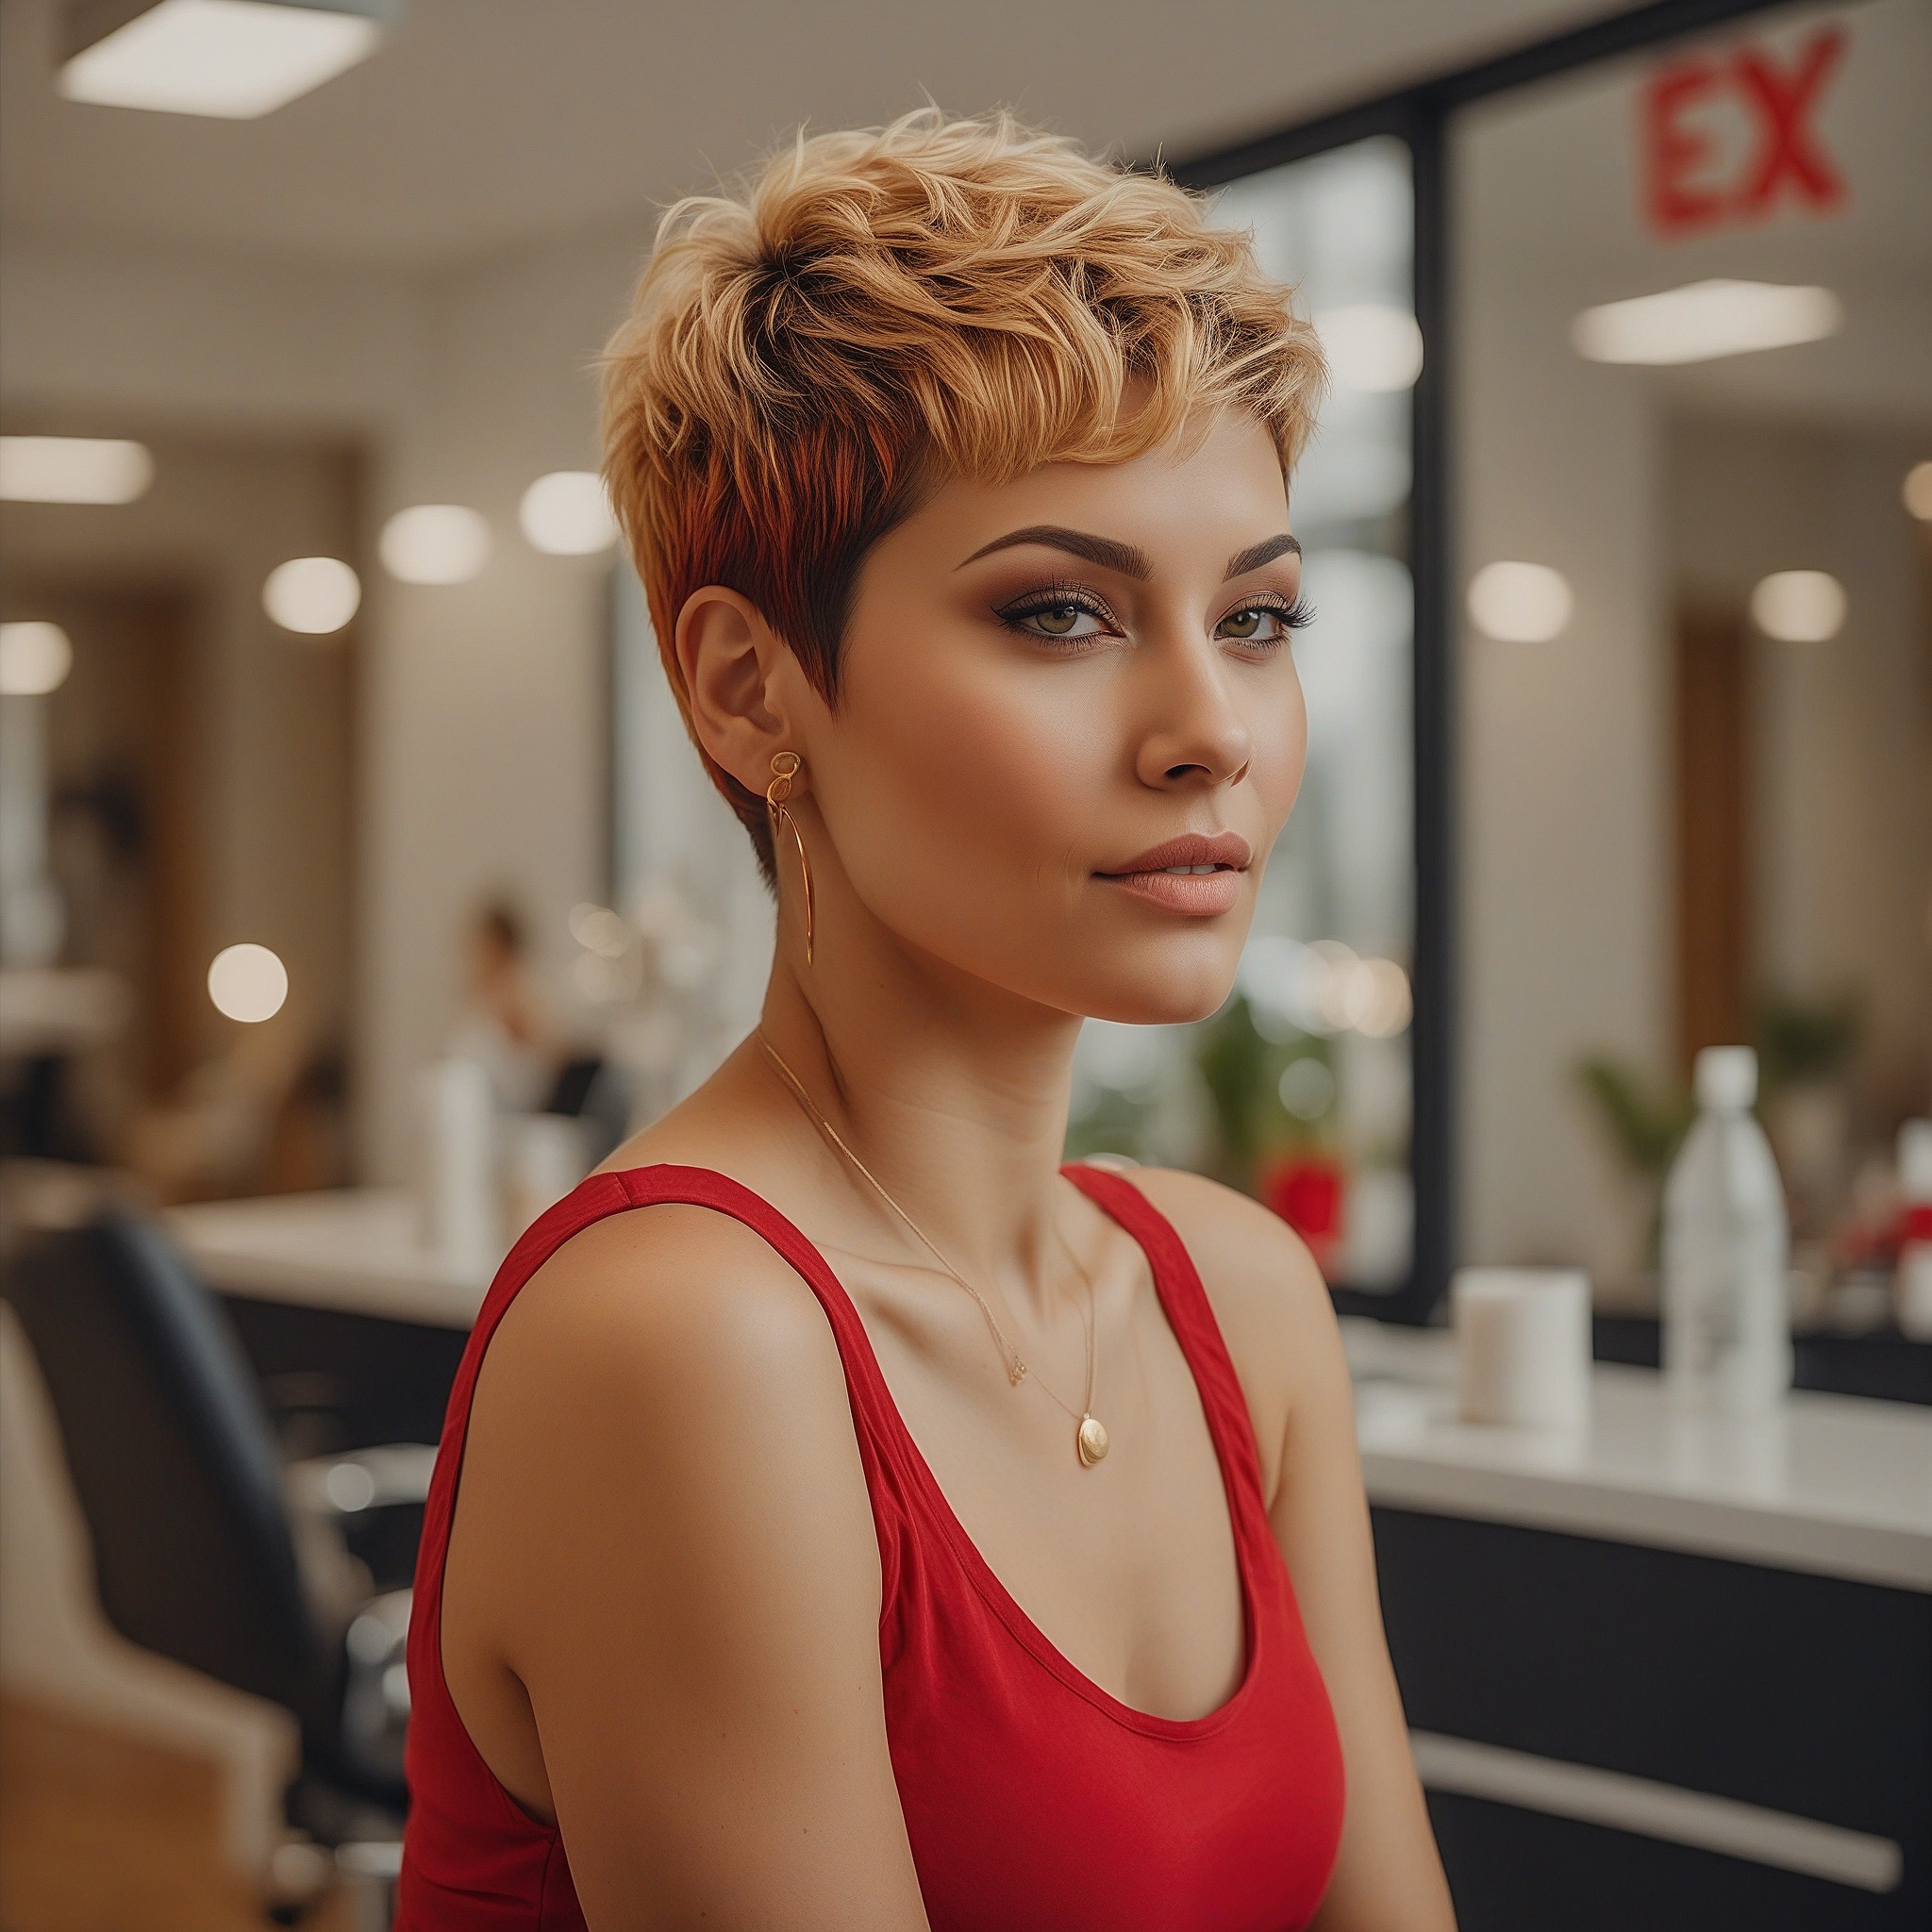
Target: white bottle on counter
(462, 1207)
(1913, 1293)
(1727, 1332)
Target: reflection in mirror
(1693, 297)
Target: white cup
(1522, 1346)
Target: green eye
(1058, 620)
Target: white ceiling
(484, 123)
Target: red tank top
(1034, 1801)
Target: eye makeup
(1287, 617)
(1071, 613)
(1052, 614)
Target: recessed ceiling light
(435, 543)
(1704, 320)
(247, 983)
(314, 595)
(73, 469)
(567, 514)
(232, 59)
(1372, 346)
(1799, 606)
(35, 658)
(1519, 603)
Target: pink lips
(1169, 875)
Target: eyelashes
(1291, 617)
(1069, 614)
(1053, 614)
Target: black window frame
(1422, 116)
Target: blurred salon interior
(360, 889)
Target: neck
(952, 1092)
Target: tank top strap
(1191, 1315)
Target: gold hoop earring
(785, 767)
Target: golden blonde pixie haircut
(882, 309)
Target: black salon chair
(207, 1548)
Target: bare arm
(661, 1622)
(1279, 1325)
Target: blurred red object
(1307, 1191)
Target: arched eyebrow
(1256, 555)
(1109, 554)
(1105, 551)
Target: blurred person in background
(955, 466)
(503, 1026)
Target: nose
(1197, 737)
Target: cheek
(954, 759)
(976, 759)
(1281, 748)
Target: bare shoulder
(667, 1372)
(670, 1291)
(1267, 1293)
(1257, 1271)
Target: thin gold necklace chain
(1010, 1357)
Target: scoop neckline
(1001, 1600)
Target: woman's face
(1069, 726)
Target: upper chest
(1128, 1568)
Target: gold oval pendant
(1091, 1439)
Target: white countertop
(1832, 1484)
(357, 1249)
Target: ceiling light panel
(312, 595)
(35, 658)
(1372, 346)
(229, 59)
(1519, 603)
(1702, 321)
(568, 514)
(1799, 606)
(435, 543)
(73, 469)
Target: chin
(1162, 992)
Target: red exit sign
(1733, 136)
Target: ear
(740, 675)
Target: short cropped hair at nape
(876, 311)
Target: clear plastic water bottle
(1727, 1331)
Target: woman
(955, 464)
